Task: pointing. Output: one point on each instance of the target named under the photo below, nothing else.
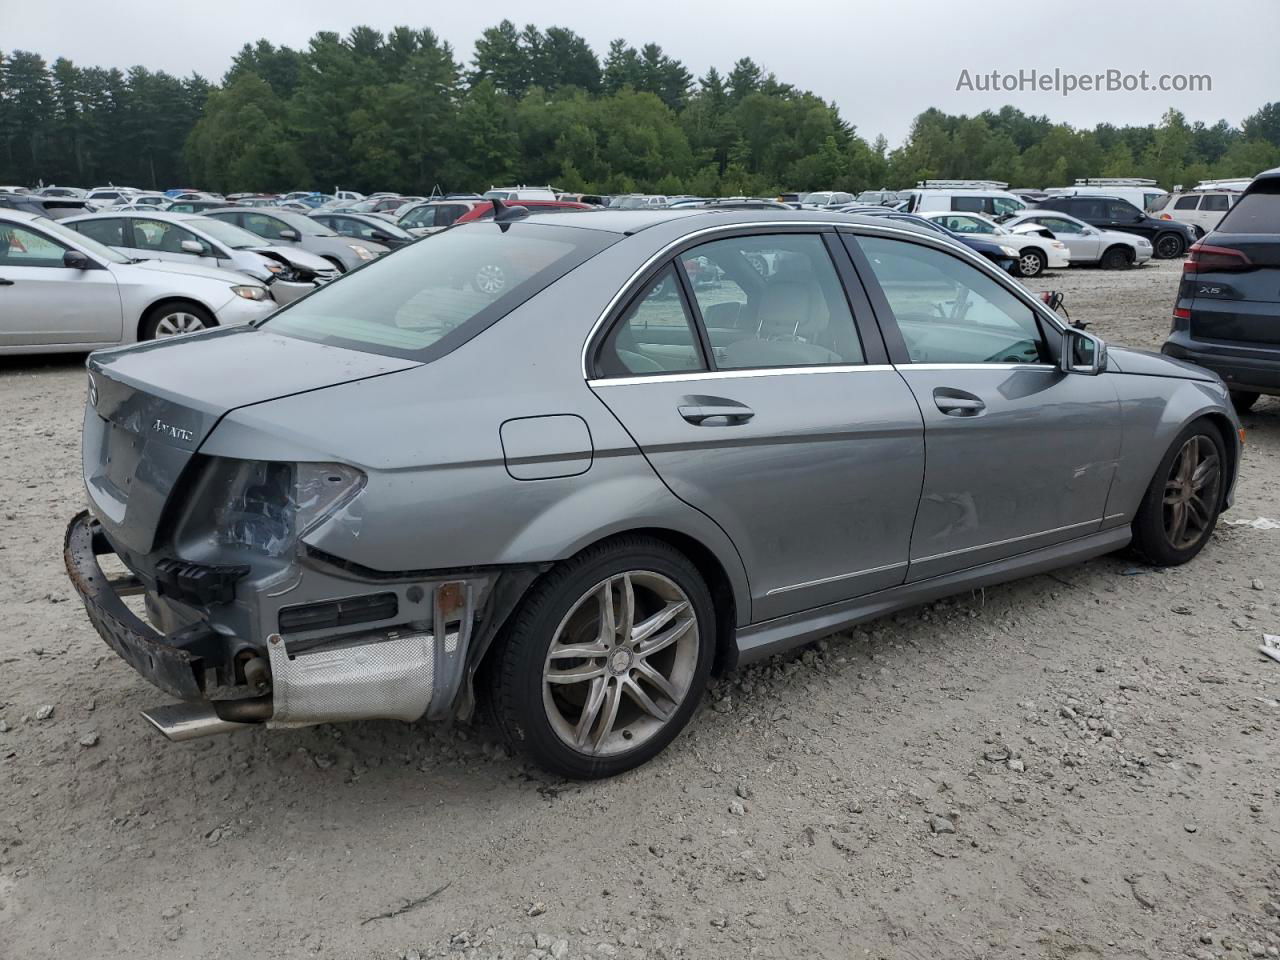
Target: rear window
(435, 295)
(1258, 211)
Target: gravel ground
(1082, 764)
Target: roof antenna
(506, 213)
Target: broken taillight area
(269, 505)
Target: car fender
(1153, 411)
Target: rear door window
(772, 301)
(1120, 211)
(111, 232)
(1215, 201)
(1189, 202)
(970, 204)
(1088, 209)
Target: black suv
(1169, 238)
(1227, 316)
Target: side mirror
(76, 260)
(288, 233)
(1082, 353)
(380, 237)
(194, 247)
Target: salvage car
(364, 226)
(1110, 249)
(287, 272)
(580, 494)
(288, 227)
(1035, 253)
(61, 291)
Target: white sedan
(61, 291)
(1111, 249)
(1035, 253)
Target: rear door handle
(957, 403)
(714, 411)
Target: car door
(1213, 207)
(44, 302)
(1020, 455)
(1122, 215)
(1084, 247)
(162, 240)
(761, 397)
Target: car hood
(152, 405)
(231, 278)
(297, 258)
(1144, 363)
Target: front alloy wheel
(605, 660)
(178, 323)
(1180, 509)
(1168, 246)
(1031, 263)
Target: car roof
(11, 213)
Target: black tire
(162, 319)
(1116, 258)
(514, 671)
(1152, 537)
(1031, 263)
(1169, 246)
(1243, 400)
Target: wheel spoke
(650, 675)
(627, 608)
(1205, 472)
(588, 671)
(578, 651)
(1179, 530)
(645, 702)
(591, 709)
(662, 640)
(611, 701)
(647, 628)
(1198, 513)
(608, 623)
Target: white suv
(1204, 206)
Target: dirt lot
(1083, 764)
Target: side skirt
(762, 640)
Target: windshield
(228, 234)
(88, 244)
(816, 198)
(305, 225)
(435, 295)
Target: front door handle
(714, 411)
(958, 403)
(5, 283)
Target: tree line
(398, 111)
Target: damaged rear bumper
(423, 665)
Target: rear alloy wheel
(175, 320)
(1243, 400)
(1031, 263)
(606, 659)
(1117, 258)
(1168, 246)
(1181, 507)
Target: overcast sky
(882, 63)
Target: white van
(1144, 194)
(990, 198)
(1203, 206)
(520, 193)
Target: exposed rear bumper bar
(175, 663)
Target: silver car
(280, 226)
(1110, 249)
(61, 291)
(577, 496)
(286, 271)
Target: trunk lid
(152, 406)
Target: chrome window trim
(1001, 543)
(768, 226)
(1038, 367)
(836, 578)
(739, 374)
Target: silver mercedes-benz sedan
(666, 443)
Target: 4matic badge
(177, 433)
